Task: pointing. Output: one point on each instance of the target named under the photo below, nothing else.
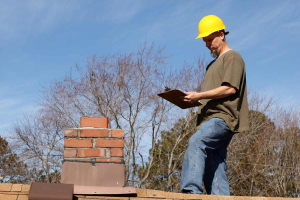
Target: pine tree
(12, 169)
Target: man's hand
(191, 97)
(217, 93)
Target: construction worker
(224, 112)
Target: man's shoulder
(232, 54)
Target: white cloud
(219, 8)
(14, 106)
(180, 21)
(19, 17)
(12, 111)
(246, 41)
(7, 104)
(120, 11)
(257, 24)
(268, 59)
(293, 25)
(281, 95)
(15, 100)
(33, 17)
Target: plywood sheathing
(6, 193)
(143, 194)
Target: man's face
(213, 43)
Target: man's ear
(222, 35)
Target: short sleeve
(233, 72)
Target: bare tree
(124, 89)
(162, 171)
(38, 138)
(286, 180)
(263, 161)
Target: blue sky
(41, 40)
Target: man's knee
(196, 139)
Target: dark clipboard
(173, 96)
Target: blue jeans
(205, 159)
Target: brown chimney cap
(51, 191)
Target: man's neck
(223, 49)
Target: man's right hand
(191, 97)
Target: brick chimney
(94, 141)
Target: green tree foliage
(39, 175)
(12, 169)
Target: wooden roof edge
(142, 194)
(157, 194)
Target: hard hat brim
(210, 32)
(202, 35)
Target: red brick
(117, 133)
(109, 143)
(70, 153)
(70, 132)
(93, 133)
(91, 152)
(116, 153)
(108, 160)
(78, 143)
(97, 122)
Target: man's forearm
(217, 93)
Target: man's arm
(217, 93)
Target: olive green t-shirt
(228, 68)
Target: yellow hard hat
(208, 25)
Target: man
(224, 112)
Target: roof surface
(10, 191)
